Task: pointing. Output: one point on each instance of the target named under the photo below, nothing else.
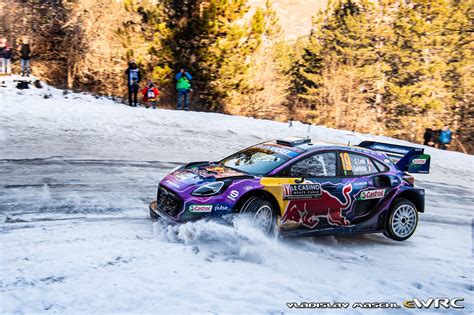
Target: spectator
(444, 138)
(150, 94)
(133, 81)
(25, 56)
(7, 55)
(430, 136)
(3, 46)
(183, 86)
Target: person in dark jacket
(133, 82)
(7, 55)
(25, 56)
(3, 61)
(444, 138)
(183, 86)
(430, 136)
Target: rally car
(298, 188)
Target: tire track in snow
(90, 162)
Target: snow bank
(77, 173)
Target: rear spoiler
(407, 159)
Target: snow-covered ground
(77, 173)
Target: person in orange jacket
(150, 95)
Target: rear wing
(407, 159)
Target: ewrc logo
(435, 302)
(372, 194)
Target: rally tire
(402, 220)
(262, 213)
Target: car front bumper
(154, 207)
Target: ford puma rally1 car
(303, 189)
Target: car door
(359, 171)
(318, 199)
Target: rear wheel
(261, 213)
(402, 220)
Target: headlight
(209, 189)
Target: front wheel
(261, 213)
(402, 220)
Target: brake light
(409, 179)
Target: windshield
(256, 161)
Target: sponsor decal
(200, 208)
(307, 212)
(372, 194)
(248, 188)
(275, 149)
(390, 149)
(418, 161)
(279, 150)
(221, 208)
(301, 191)
(184, 176)
(233, 194)
(209, 171)
(171, 183)
(215, 169)
(360, 184)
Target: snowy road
(77, 173)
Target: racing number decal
(346, 163)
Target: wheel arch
(413, 197)
(257, 193)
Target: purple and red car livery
(303, 189)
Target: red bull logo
(307, 212)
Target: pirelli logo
(301, 191)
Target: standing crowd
(149, 90)
(435, 138)
(24, 50)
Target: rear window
(382, 167)
(258, 160)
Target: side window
(382, 168)
(357, 165)
(318, 165)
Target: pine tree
(265, 83)
(459, 75)
(338, 71)
(144, 36)
(419, 95)
(209, 41)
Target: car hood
(198, 174)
